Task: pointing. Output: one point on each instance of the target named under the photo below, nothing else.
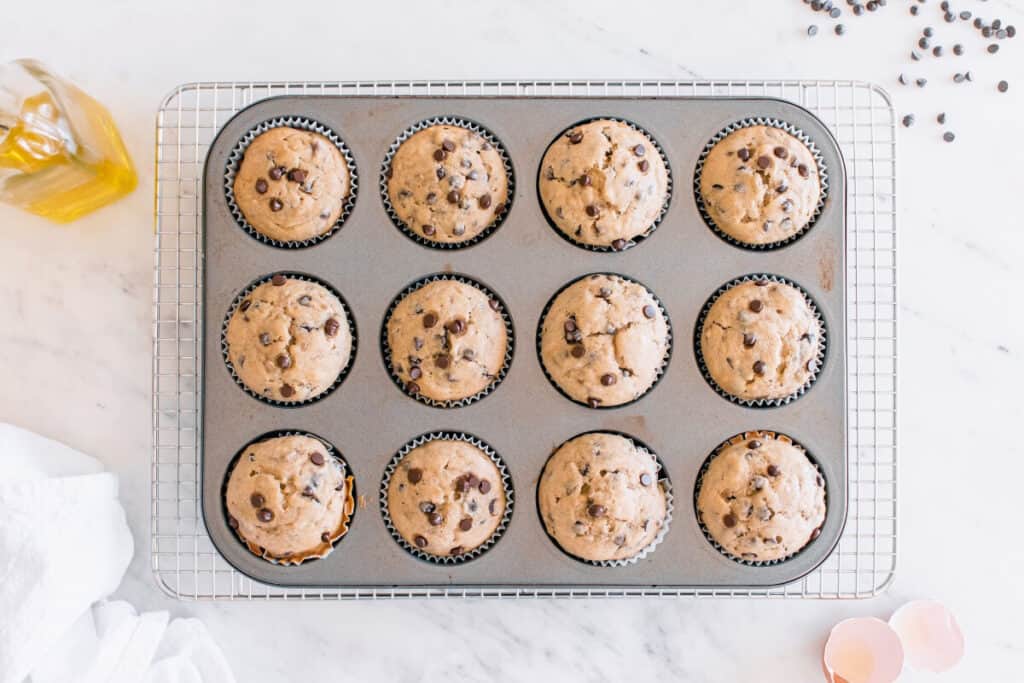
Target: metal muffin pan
(367, 419)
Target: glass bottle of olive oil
(61, 155)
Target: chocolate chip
(435, 519)
(643, 165)
(457, 326)
(803, 170)
(780, 152)
(440, 172)
(576, 137)
(619, 244)
(585, 180)
(840, 29)
(819, 481)
(465, 523)
(484, 201)
(646, 479)
(753, 445)
(812, 30)
(440, 154)
(948, 136)
(325, 537)
(494, 304)
(484, 486)
(492, 507)
(287, 390)
(457, 550)
(759, 367)
(331, 327)
(420, 541)
(265, 339)
(317, 458)
(569, 325)
(472, 175)
(992, 49)
(941, 118)
(265, 515)
(261, 186)
(415, 474)
(749, 340)
(428, 230)
(426, 507)
(232, 522)
(442, 361)
(453, 197)
(729, 520)
(578, 351)
(781, 189)
(1003, 86)
(278, 280)
(592, 210)
(308, 492)
(276, 173)
(429, 320)
(650, 311)
(468, 354)
(412, 387)
(297, 175)
(639, 150)
(284, 361)
(415, 372)
(937, 51)
(608, 379)
(743, 153)
(773, 471)
(448, 146)
(275, 204)
(593, 402)
(756, 305)
(763, 162)
(244, 306)
(595, 510)
(257, 500)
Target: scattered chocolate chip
(812, 30)
(261, 186)
(743, 153)
(592, 210)
(297, 175)
(265, 339)
(619, 244)
(232, 522)
(593, 402)
(585, 180)
(278, 280)
(578, 351)
(749, 340)
(331, 327)
(257, 500)
(803, 170)
(992, 49)
(941, 118)
(457, 550)
(426, 507)
(958, 49)
(284, 361)
(608, 379)
(435, 519)
(948, 136)
(958, 78)
(317, 458)
(484, 486)
(287, 390)
(276, 173)
(244, 306)
(759, 367)
(753, 445)
(429, 320)
(914, 56)
(465, 523)
(780, 152)
(325, 537)
(576, 137)
(440, 172)
(453, 197)
(276, 204)
(308, 492)
(773, 471)
(937, 51)
(415, 372)
(265, 515)
(840, 29)
(756, 305)
(420, 541)
(781, 189)
(457, 326)
(415, 474)
(763, 162)
(1011, 31)
(1003, 86)
(595, 510)
(442, 361)
(729, 520)
(908, 120)
(440, 154)
(412, 387)
(639, 150)
(965, 15)
(484, 201)
(492, 506)
(428, 230)
(448, 146)
(913, 10)
(643, 165)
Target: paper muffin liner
(774, 123)
(235, 160)
(385, 176)
(661, 370)
(739, 438)
(243, 295)
(633, 241)
(348, 512)
(506, 483)
(663, 481)
(385, 347)
(760, 402)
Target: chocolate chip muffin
(760, 185)
(447, 184)
(288, 499)
(761, 499)
(603, 183)
(446, 497)
(447, 340)
(761, 340)
(604, 340)
(289, 339)
(601, 499)
(292, 184)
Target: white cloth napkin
(64, 545)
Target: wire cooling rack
(860, 115)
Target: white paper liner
(661, 370)
(506, 483)
(509, 345)
(349, 512)
(760, 402)
(385, 173)
(774, 123)
(633, 241)
(244, 294)
(739, 438)
(663, 482)
(235, 160)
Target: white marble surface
(76, 311)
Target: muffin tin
(525, 261)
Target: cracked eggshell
(862, 650)
(930, 634)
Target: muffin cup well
(663, 481)
(760, 402)
(661, 371)
(739, 438)
(348, 513)
(506, 483)
(244, 294)
(633, 241)
(385, 347)
(235, 160)
(774, 123)
(385, 176)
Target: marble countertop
(75, 348)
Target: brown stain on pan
(827, 265)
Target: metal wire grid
(860, 115)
